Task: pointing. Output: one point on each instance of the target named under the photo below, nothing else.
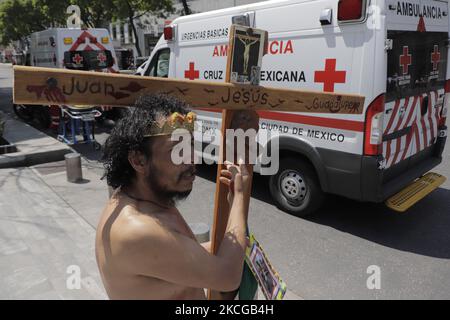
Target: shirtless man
(144, 247)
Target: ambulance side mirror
(242, 20)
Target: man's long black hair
(128, 135)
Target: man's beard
(168, 196)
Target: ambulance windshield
(417, 63)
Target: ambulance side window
(159, 66)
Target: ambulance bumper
(363, 178)
(377, 185)
(374, 190)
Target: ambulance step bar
(414, 192)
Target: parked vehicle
(79, 49)
(394, 53)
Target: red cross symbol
(101, 57)
(77, 59)
(405, 60)
(192, 74)
(329, 76)
(435, 57)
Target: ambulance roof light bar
(351, 11)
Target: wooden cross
(44, 86)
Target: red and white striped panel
(423, 128)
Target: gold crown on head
(173, 122)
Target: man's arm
(216, 295)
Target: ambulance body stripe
(410, 123)
(401, 142)
(350, 125)
(399, 126)
(394, 114)
(395, 145)
(392, 119)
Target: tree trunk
(133, 26)
(187, 10)
(138, 47)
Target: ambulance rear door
(79, 40)
(417, 37)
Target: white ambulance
(48, 48)
(72, 48)
(392, 52)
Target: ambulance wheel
(296, 188)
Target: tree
(95, 13)
(133, 9)
(20, 18)
(187, 10)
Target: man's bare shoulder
(135, 224)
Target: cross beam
(46, 86)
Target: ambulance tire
(296, 188)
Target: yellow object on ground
(414, 192)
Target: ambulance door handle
(388, 111)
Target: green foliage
(20, 18)
(126, 8)
(130, 9)
(96, 13)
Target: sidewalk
(42, 235)
(33, 146)
(48, 225)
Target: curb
(34, 147)
(15, 161)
